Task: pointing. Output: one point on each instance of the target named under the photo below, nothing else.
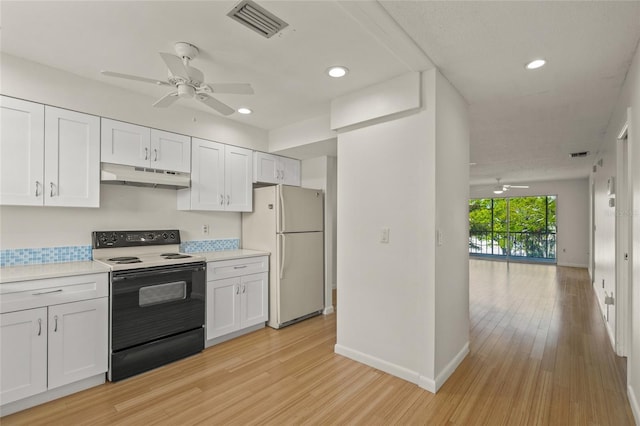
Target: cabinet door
(238, 179)
(223, 307)
(124, 143)
(78, 341)
(254, 299)
(170, 151)
(72, 158)
(207, 176)
(290, 171)
(23, 354)
(266, 168)
(21, 152)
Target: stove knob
(150, 236)
(165, 236)
(172, 236)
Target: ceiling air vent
(257, 18)
(579, 154)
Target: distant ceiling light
(244, 110)
(535, 64)
(337, 71)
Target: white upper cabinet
(72, 159)
(139, 146)
(124, 143)
(269, 168)
(221, 178)
(170, 151)
(50, 156)
(21, 152)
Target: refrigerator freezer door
(301, 273)
(300, 209)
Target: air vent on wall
(257, 18)
(579, 154)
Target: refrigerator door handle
(282, 256)
(282, 217)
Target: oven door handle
(133, 275)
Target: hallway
(539, 355)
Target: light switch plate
(384, 236)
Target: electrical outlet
(205, 229)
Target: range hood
(139, 176)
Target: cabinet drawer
(237, 267)
(36, 293)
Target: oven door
(155, 303)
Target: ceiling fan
(188, 81)
(500, 188)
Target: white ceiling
(523, 124)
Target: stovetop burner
(175, 256)
(123, 262)
(123, 259)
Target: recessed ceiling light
(535, 64)
(244, 110)
(337, 71)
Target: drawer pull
(240, 267)
(47, 292)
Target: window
(517, 228)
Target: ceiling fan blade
(234, 88)
(519, 186)
(215, 104)
(175, 65)
(135, 77)
(166, 100)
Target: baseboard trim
(328, 310)
(50, 395)
(635, 405)
(379, 364)
(451, 367)
(573, 265)
(233, 335)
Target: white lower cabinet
(50, 338)
(23, 354)
(237, 295)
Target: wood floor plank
(539, 355)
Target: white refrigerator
(288, 222)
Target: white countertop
(213, 256)
(11, 274)
(50, 270)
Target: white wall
(629, 97)
(572, 215)
(452, 200)
(387, 293)
(121, 207)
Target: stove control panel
(110, 239)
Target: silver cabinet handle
(37, 188)
(283, 175)
(51, 185)
(237, 289)
(55, 326)
(146, 153)
(228, 199)
(240, 267)
(47, 292)
(221, 199)
(155, 152)
(244, 288)
(39, 326)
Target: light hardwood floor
(539, 355)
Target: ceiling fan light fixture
(186, 91)
(244, 110)
(498, 190)
(337, 71)
(535, 64)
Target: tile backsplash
(30, 256)
(198, 246)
